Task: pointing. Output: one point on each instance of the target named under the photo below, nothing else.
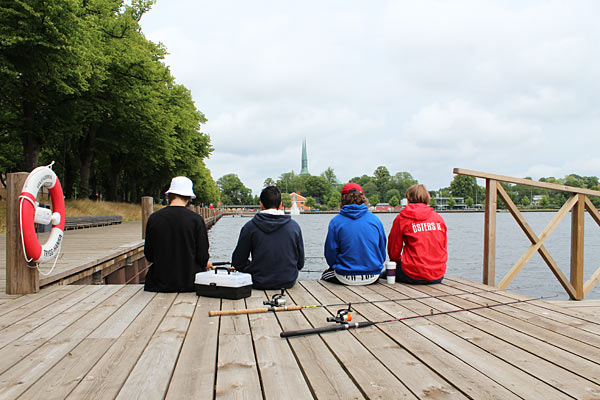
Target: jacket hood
(270, 223)
(417, 211)
(354, 211)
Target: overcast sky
(508, 87)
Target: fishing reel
(343, 315)
(277, 300)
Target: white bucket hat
(182, 186)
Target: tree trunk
(86, 157)
(31, 143)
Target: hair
(418, 194)
(173, 196)
(270, 197)
(354, 197)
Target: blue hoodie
(356, 241)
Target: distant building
(386, 207)
(537, 198)
(442, 203)
(299, 200)
(304, 169)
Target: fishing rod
(277, 303)
(344, 317)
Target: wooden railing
(579, 202)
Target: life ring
(30, 213)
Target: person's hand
(209, 265)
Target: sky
(506, 87)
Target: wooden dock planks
(106, 342)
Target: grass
(84, 208)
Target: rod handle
(238, 312)
(323, 329)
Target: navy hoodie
(355, 243)
(277, 249)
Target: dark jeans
(402, 277)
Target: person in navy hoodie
(275, 242)
(355, 243)
(418, 242)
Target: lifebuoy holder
(30, 213)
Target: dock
(117, 341)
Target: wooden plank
(562, 279)
(372, 376)
(531, 250)
(17, 329)
(416, 375)
(526, 182)
(194, 374)
(107, 376)
(64, 376)
(146, 381)
(577, 241)
(519, 349)
(41, 299)
(25, 373)
(21, 348)
(280, 373)
(20, 278)
(468, 379)
(489, 232)
(327, 378)
(593, 327)
(237, 373)
(547, 318)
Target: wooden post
(489, 232)
(577, 236)
(147, 209)
(20, 277)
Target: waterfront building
(299, 200)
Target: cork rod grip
(237, 312)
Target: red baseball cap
(350, 187)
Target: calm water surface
(465, 248)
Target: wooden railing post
(489, 232)
(20, 277)
(147, 209)
(577, 238)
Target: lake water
(465, 248)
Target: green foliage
(269, 182)
(433, 202)
(81, 85)
(234, 191)
(469, 202)
(317, 186)
(463, 186)
(310, 202)
(373, 199)
(391, 193)
(525, 202)
(451, 202)
(330, 177)
(545, 202)
(334, 200)
(286, 200)
(394, 201)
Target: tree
(545, 202)
(329, 176)
(317, 186)
(402, 181)
(394, 201)
(334, 200)
(370, 189)
(451, 203)
(433, 202)
(391, 193)
(469, 202)
(268, 182)
(525, 201)
(286, 200)
(381, 178)
(234, 190)
(463, 186)
(373, 199)
(310, 202)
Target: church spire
(304, 170)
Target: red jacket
(422, 233)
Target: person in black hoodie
(275, 242)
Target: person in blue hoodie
(355, 247)
(275, 243)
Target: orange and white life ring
(30, 213)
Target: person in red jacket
(417, 241)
